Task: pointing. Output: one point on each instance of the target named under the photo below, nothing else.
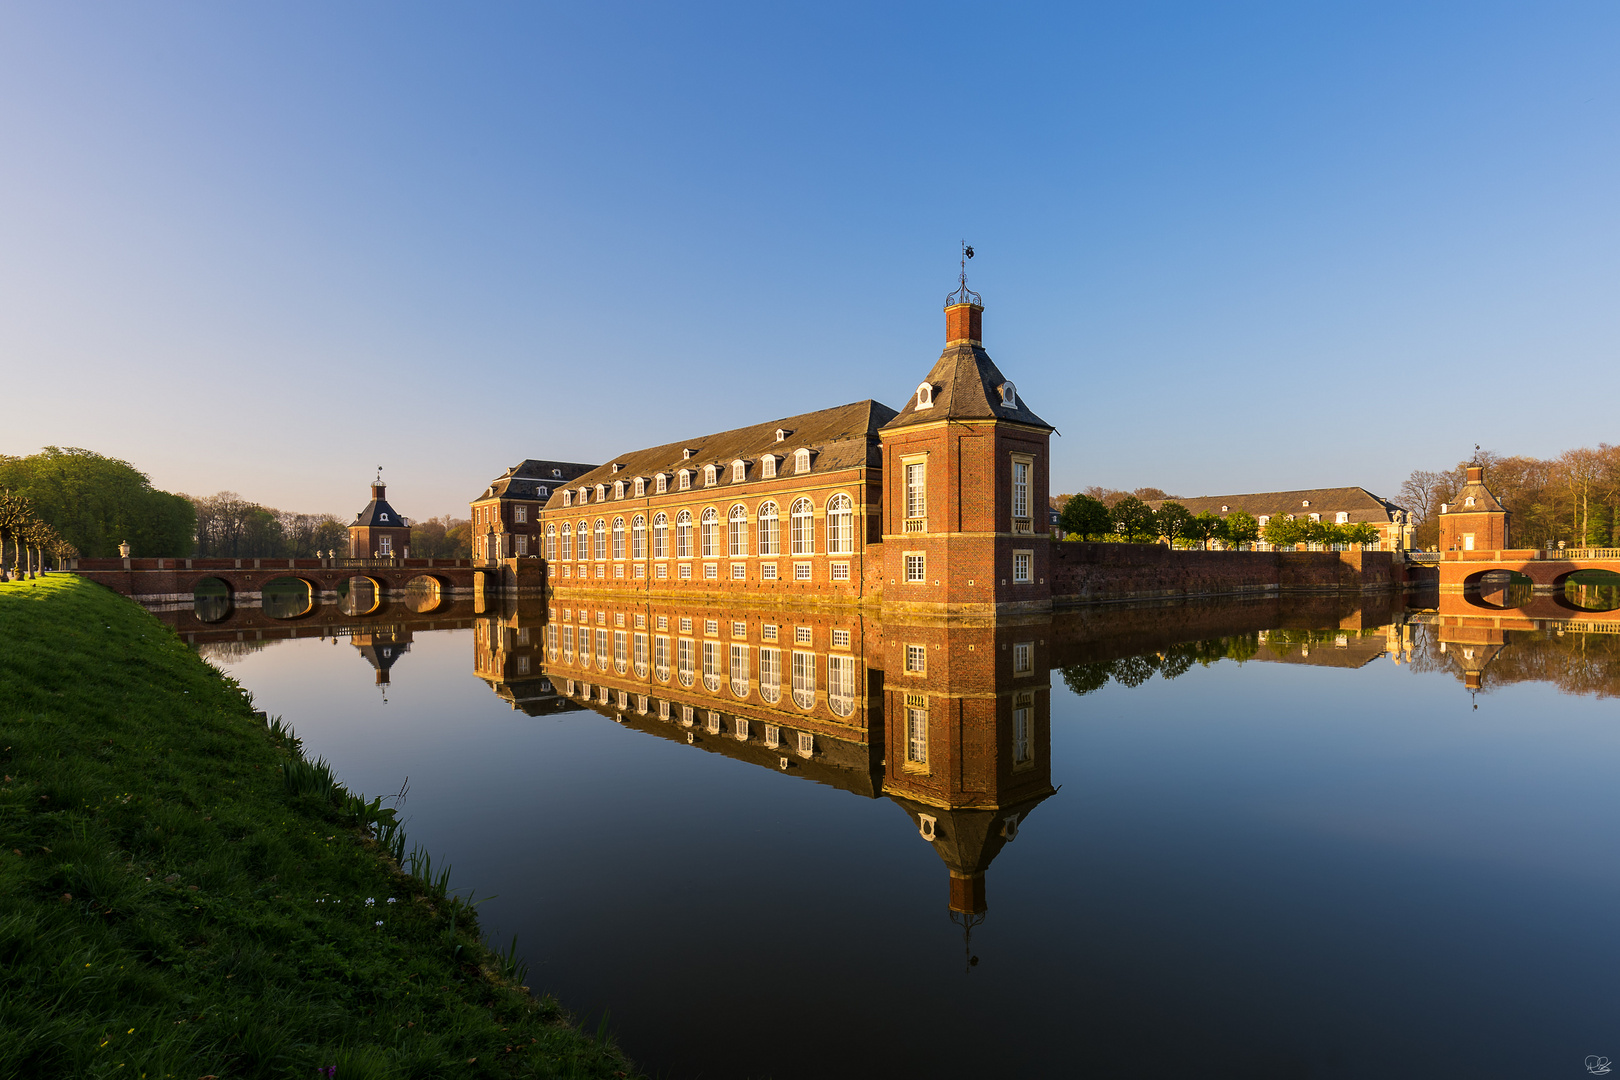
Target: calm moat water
(1336, 837)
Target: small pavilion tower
(378, 529)
(965, 485)
(1475, 521)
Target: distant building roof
(1358, 504)
(842, 437)
(967, 386)
(1484, 502)
(378, 514)
(526, 480)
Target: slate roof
(842, 437)
(1359, 503)
(1484, 501)
(523, 481)
(966, 383)
(378, 514)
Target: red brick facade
(1474, 520)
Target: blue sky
(1222, 247)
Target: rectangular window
(641, 571)
(385, 545)
(770, 674)
(916, 568)
(601, 570)
(662, 622)
(686, 660)
(618, 618)
(916, 489)
(522, 545)
(838, 571)
(663, 706)
(602, 649)
(551, 641)
(773, 736)
(711, 572)
(1020, 489)
(662, 483)
(739, 629)
(621, 652)
(661, 658)
(768, 466)
(618, 570)
(624, 700)
(686, 571)
(1023, 722)
(686, 715)
(711, 626)
(801, 571)
(641, 702)
(807, 744)
(641, 656)
(711, 665)
(841, 684)
(916, 729)
(767, 632)
(520, 513)
(803, 635)
(739, 670)
(916, 659)
(568, 643)
(739, 728)
(713, 722)
(1023, 657)
(840, 639)
(804, 679)
(686, 626)
(1021, 561)
(739, 571)
(662, 572)
(767, 572)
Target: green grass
(183, 895)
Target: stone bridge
(1465, 573)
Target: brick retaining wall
(1086, 573)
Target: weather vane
(963, 294)
(379, 474)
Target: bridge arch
(212, 599)
(1498, 588)
(289, 597)
(361, 595)
(1588, 590)
(425, 593)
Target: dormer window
(709, 476)
(686, 455)
(601, 492)
(801, 461)
(782, 433)
(1265, 519)
(1223, 509)
(540, 491)
(1009, 395)
(618, 487)
(1468, 501)
(767, 466)
(1341, 518)
(556, 474)
(568, 498)
(925, 396)
(382, 517)
(686, 479)
(739, 471)
(1316, 517)
(641, 486)
(1307, 502)
(661, 483)
(584, 495)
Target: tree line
(229, 526)
(1129, 519)
(1574, 497)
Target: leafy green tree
(1206, 527)
(441, 538)
(95, 501)
(1364, 532)
(1085, 517)
(1172, 521)
(1241, 528)
(1132, 520)
(1283, 531)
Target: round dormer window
(925, 396)
(1307, 502)
(1468, 501)
(1009, 395)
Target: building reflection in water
(948, 720)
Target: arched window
(618, 489)
(840, 526)
(708, 476)
(618, 538)
(584, 539)
(601, 492)
(551, 543)
(568, 541)
(801, 461)
(683, 535)
(685, 479)
(737, 534)
(925, 396)
(739, 471)
(801, 524)
(638, 538)
(600, 547)
(641, 486)
(770, 530)
(661, 536)
(710, 533)
(661, 483)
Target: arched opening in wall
(1592, 590)
(424, 593)
(211, 599)
(286, 598)
(1500, 589)
(359, 596)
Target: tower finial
(963, 294)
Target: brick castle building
(1474, 520)
(1335, 506)
(939, 507)
(378, 530)
(506, 517)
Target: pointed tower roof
(1474, 488)
(377, 513)
(964, 383)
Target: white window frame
(770, 674)
(801, 461)
(916, 567)
(1023, 568)
(804, 679)
(737, 532)
(709, 533)
(841, 683)
(802, 527)
(683, 535)
(840, 525)
(769, 519)
(739, 669)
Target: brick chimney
(967, 893)
(1476, 474)
(964, 323)
(377, 489)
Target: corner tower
(1475, 521)
(965, 485)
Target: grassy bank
(182, 895)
